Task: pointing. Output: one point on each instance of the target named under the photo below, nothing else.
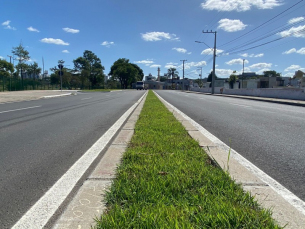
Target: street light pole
(214, 59)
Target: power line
(273, 32)
(262, 24)
(265, 43)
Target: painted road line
(52, 96)
(42, 211)
(86, 98)
(292, 199)
(26, 108)
(240, 105)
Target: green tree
(23, 55)
(232, 80)
(126, 73)
(199, 82)
(140, 75)
(210, 77)
(34, 70)
(272, 73)
(6, 67)
(91, 63)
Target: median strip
(166, 180)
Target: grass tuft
(167, 181)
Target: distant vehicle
(140, 85)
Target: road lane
(269, 135)
(39, 145)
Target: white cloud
(155, 66)
(288, 74)
(290, 51)
(223, 72)
(149, 62)
(158, 36)
(7, 25)
(1, 57)
(33, 29)
(189, 65)
(261, 65)
(294, 67)
(69, 30)
(107, 44)
(189, 53)
(54, 41)
(65, 51)
(261, 71)
(294, 50)
(295, 20)
(171, 65)
(294, 31)
(239, 5)
(252, 55)
(231, 25)
(237, 61)
(211, 51)
(182, 50)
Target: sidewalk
(18, 96)
(264, 99)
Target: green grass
(167, 181)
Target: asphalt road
(40, 140)
(271, 136)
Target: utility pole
(183, 74)
(214, 60)
(242, 78)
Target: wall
(280, 93)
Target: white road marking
(26, 108)
(240, 105)
(41, 212)
(86, 98)
(276, 186)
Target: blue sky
(159, 33)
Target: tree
(125, 72)
(91, 63)
(34, 70)
(272, 73)
(199, 82)
(232, 80)
(163, 78)
(173, 73)
(140, 75)
(210, 77)
(6, 68)
(23, 55)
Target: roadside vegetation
(167, 181)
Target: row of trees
(87, 72)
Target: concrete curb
(263, 99)
(283, 212)
(88, 202)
